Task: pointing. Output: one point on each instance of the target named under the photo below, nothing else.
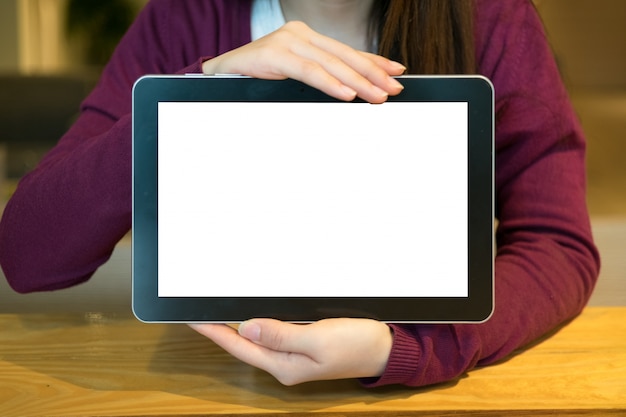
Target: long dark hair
(427, 36)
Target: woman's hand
(296, 353)
(296, 51)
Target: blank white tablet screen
(312, 199)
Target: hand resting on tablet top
(296, 51)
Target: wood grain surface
(108, 365)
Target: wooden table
(111, 365)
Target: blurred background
(52, 51)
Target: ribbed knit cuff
(404, 359)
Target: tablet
(264, 198)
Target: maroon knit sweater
(67, 215)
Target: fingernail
(348, 91)
(379, 91)
(398, 66)
(250, 330)
(396, 83)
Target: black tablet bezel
(148, 91)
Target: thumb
(274, 334)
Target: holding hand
(296, 51)
(294, 353)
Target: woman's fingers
(296, 51)
(229, 339)
(286, 366)
(351, 71)
(367, 73)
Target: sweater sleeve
(66, 216)
(546, 263)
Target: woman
(67, 215)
